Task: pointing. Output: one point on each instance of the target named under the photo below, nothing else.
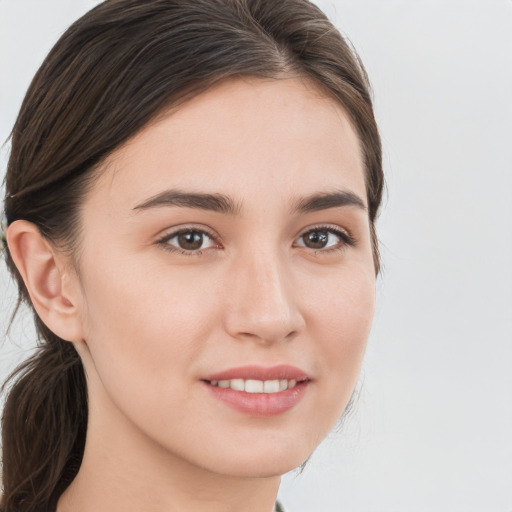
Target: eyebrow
(213, 202)
(223, 204)
(326, 200)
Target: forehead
(244, 138)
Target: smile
(258, 391)
(256, 386)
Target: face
(227, 280)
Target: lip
(260, 405)
(278, 372)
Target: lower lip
(261, 405)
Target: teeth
(256, 386)
(237, 384)
(271, 386)
(253, 386)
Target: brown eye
(325, 239)
(190, 240)
(316, 239)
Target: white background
(432, 431)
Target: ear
(52, 285)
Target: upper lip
(278, 372)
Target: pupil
(316, 239)
(190, 240)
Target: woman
(191, 198)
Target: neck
(123, 471)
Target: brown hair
(112, 71)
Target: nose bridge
(262, 304)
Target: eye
(188, 241)
(325, 238)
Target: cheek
(146, 336)
(340, 326)
(147, 328)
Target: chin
(260, 461)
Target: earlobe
(42, 268)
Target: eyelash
(346, 240)
(164, 241)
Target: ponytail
(43, 426)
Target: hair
(114, 70)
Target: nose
(262, 305)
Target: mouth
(256, 386)
(258, 391)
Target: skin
(150, 323)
